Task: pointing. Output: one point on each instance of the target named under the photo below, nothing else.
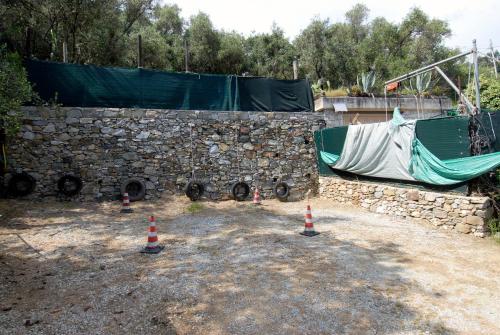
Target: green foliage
(14, 91)
(105, 32)
(490, 92)
(195, 207)
(494, 226)
(367, 82)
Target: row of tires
(23, 184)
(239, 190)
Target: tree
(15, 90)
(204, 44)
(312, 44)
(271, 55)
(231, 58)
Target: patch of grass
(494, 225)
(195, 207)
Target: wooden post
(65, 52)
(295, 69)
(139, 51)
(186, 55)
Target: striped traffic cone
(309, 227)
(126, 204)
(256, 197)
(152, 247)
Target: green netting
(446, 137)
(426, 167)
(490, 120)
(93, 86)
(330, 140)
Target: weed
(494, 225)
(195, 207)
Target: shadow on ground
(234, 269)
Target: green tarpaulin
(426, 167)
(92, 86)
(391, 150)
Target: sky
(468, 19)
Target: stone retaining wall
(105, 146)
(467, 215)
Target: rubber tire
(235, 191)
(135, 188)
(194, 190)
(21, 184)
(277, 190)
(65, 180)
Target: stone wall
(106, 146)
(463, 214)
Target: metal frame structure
(435, 66)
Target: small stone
(50, 128)
(29, 135)
(463, 228)
(431, 197)
(223, 147)
(378, 194)
(119, 132)
(439, 213)
(214, 150)
(474, 220)
(412, 195)
(484, 213)
(389, 192)
(143, 135)
(86, 120)
(106, 130)
(248, 146)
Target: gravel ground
(232, 268)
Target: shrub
(15, 90)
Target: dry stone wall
(467, 215)
(106, 146)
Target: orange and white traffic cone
(152, 247)
(256, 197)
(309, 227)
(126, 204)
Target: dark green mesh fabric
(93, 86)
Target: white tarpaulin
(378, 150)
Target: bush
(494, 225)
(15, 90)
(338, 92)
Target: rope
(5, 157)
(192, 151)
(385, 100)
(237, 153)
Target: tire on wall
(69, 185)
(281, 190)
(194, 190)
(240, 191)
(21, 184)
(135, 188)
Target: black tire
(135, 188)
(21, 184)
(69, 185)
(240, 191)
(194, 190)
(281, 190)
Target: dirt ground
(233, 268)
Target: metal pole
(186, 55)
(65, 52)
(476, 76)
(426, 68)
(295, 69)
(448, 80)
(139, 51)
(493, 60)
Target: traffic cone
(126, 204)
(152, 247)
(309, 227)
(256, 197)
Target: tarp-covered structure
(391, 150)
(93, 86)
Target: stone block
(474, 220)
(463, 228)
(412, 195)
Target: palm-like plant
(367, 81)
